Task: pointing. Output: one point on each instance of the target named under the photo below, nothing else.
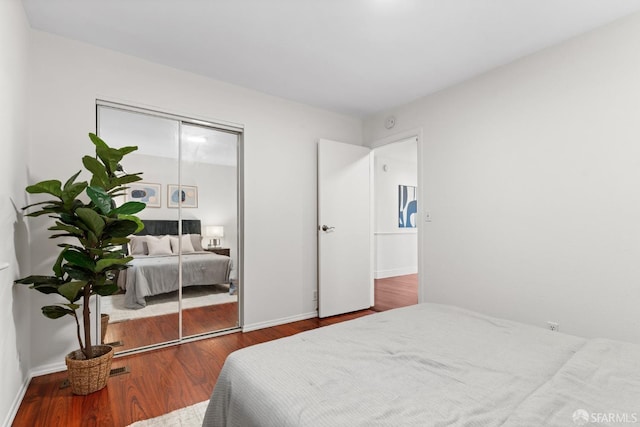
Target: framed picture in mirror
(145, 192)
(188, 194)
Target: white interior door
(344, 230)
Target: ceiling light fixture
(194, 138)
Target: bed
(426, 365)
(153, 273)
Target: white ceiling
(351, 56)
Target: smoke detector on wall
(390, 122)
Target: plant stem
(75, 316)
(86, 318)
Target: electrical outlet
(315, 295)
(553, 326)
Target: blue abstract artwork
(144, 192)
(407, 206)
(185, 196)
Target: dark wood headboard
(160, 227)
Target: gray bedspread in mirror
(153, 275)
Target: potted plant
(95, 231)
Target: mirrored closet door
(209, 173)
(184, 278)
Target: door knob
(327, 228)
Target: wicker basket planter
(89, 375)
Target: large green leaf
(105, 290)
(44, 284)
(98, 181)
(80, 259)
(70, 193)
(70, 290)
(128, 208)
(126, 179)
(101, 279)
(97, 253)
(37, 279)
(57, 267)
(52, 187)
(68, 246)
(100, 176)
(100, 198)
(110, 157)
(54, 236)
(94, 166)
(52, 202)
(92, 240)
(121, 228)
(91, 219)
(68, 228)
(55, 311)
(46, 289)
(45, 211)
(135, 219)
(71, 180)
(97, 141)
(126, 150)
(77, 273)
(105, 264)
(68, 219)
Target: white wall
(280, 166)
(396, 249)
(532, 175)
(14, 302)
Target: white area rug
(191, 416)
(157, 305)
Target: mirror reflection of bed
(147, 301)
(189, 172)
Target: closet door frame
(217, 125)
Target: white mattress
(426, 365)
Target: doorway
(395, 234)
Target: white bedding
(425, 365)
(601, 382)
(153, 275)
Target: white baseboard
(47, 369)
(383, 274)
(281, 321)
(15, 405)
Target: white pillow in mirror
(138, 245)
(159, 246)
(196, 242)
(186, 244)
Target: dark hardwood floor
(163, 380)
(394, 292)
(164, 328)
